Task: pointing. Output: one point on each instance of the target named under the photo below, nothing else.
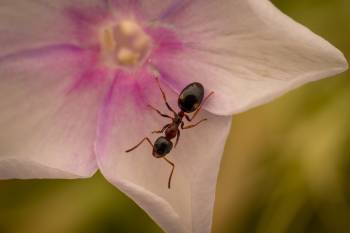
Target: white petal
(47, 120)
(188, 205)
(247, 51)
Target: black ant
(190, 100)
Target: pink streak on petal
(171, 80)
(129, 6)
(46, 128)
(86, 22)
(37, 53)
(174, 7)
(83, 16)
(92, 74)
(90, 78)
(104, 118)
(165, 41)
(125, 4)
(124, 85)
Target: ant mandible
(190, 100)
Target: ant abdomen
(191, 97)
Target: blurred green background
(286, 167)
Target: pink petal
(247, 51)
(154, 9)
(125, 120)
(48, 128)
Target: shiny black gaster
(191, 97)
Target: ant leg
(162, 130)
(164, 97)
(177, 137)
(163, 115)
(172, 171)
(200, 107)
(192, 126)
(148, 140)
(188, 118)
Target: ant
(190, 100)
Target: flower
(76, 77)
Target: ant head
(162, 147)
(191, 97)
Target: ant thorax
(171, 131)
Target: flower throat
(124, 45)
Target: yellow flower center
(124, 44)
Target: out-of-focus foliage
(286, 167)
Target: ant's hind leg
(172, 171)
(145, 139)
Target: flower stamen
(124, 45)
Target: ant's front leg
(192, 126)
(200, 107)
(162, 130)
(159, 112)
(164, 97)
(145, 139)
